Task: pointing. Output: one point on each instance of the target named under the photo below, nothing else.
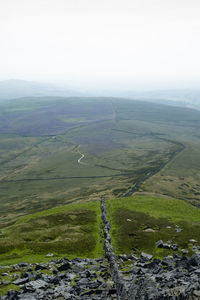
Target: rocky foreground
(143, 278)
(123, 277)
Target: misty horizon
(135, 45)
(107, 86)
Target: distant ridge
(15, 88)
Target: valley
(59, 156)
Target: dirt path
(82, 156)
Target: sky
(125, 44)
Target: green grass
(41, 176)
(130, 217)
(180, 178)
(122, 140)
(71, 230)
(9, 287)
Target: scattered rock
(192, 241)
(168, 245)
(124, 277)
(40, 267)
(49, 255)
(21, 281)
(146, 256)
(35, 285)
(152, 279)
(27, 297)
(66, 266)
(196, 293)
(184, 251)
(159, 244)
(178, 229)
(22, 265)
(4, 274)
(149, 230)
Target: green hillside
(72, 230)
(139, 222)
(59, 151)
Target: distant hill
(15, 88)
(176, 97)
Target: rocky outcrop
(61, 279)
(175, 277)
(141, 278)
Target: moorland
(58, 156)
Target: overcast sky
(123, 43)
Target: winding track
(82, 156)
(130, 191)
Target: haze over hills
(15, 88)
(175, 97)
(180, 97)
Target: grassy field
(42, 139)
(49, 174)
(180, 178)
(67, 231)
(41, 171)
(71, 230)
(139, 222)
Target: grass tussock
(139, 222)
(71, 230)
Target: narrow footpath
(82, 156)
